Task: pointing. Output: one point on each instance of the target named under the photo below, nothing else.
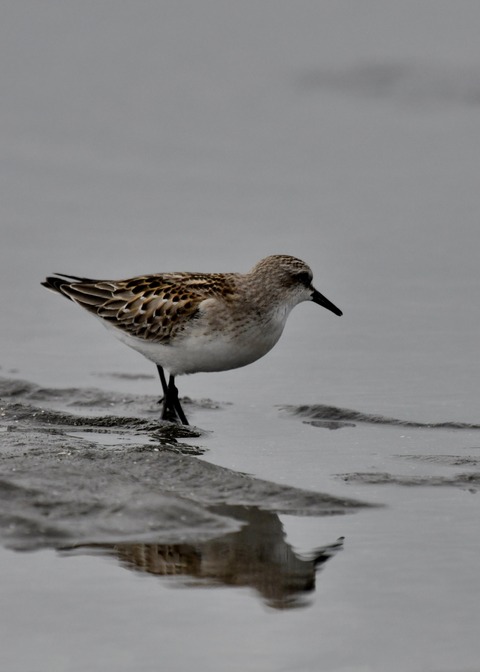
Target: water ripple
(334, 417)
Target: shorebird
(192, 322)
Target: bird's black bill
(323, 301)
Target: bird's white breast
(204, 348)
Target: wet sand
(76, 479)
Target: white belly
(197, 352)
(200, 351)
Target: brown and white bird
(191, 322)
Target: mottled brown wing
(153, 307)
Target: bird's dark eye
(304, 278)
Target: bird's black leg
(171, 407)
(168, 409)
(163, 380)
(174, 401)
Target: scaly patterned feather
(151, 307)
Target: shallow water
(123, 491)
(322, 511)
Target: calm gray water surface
(144, 137)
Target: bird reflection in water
(256, 556)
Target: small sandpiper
(191, 322)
